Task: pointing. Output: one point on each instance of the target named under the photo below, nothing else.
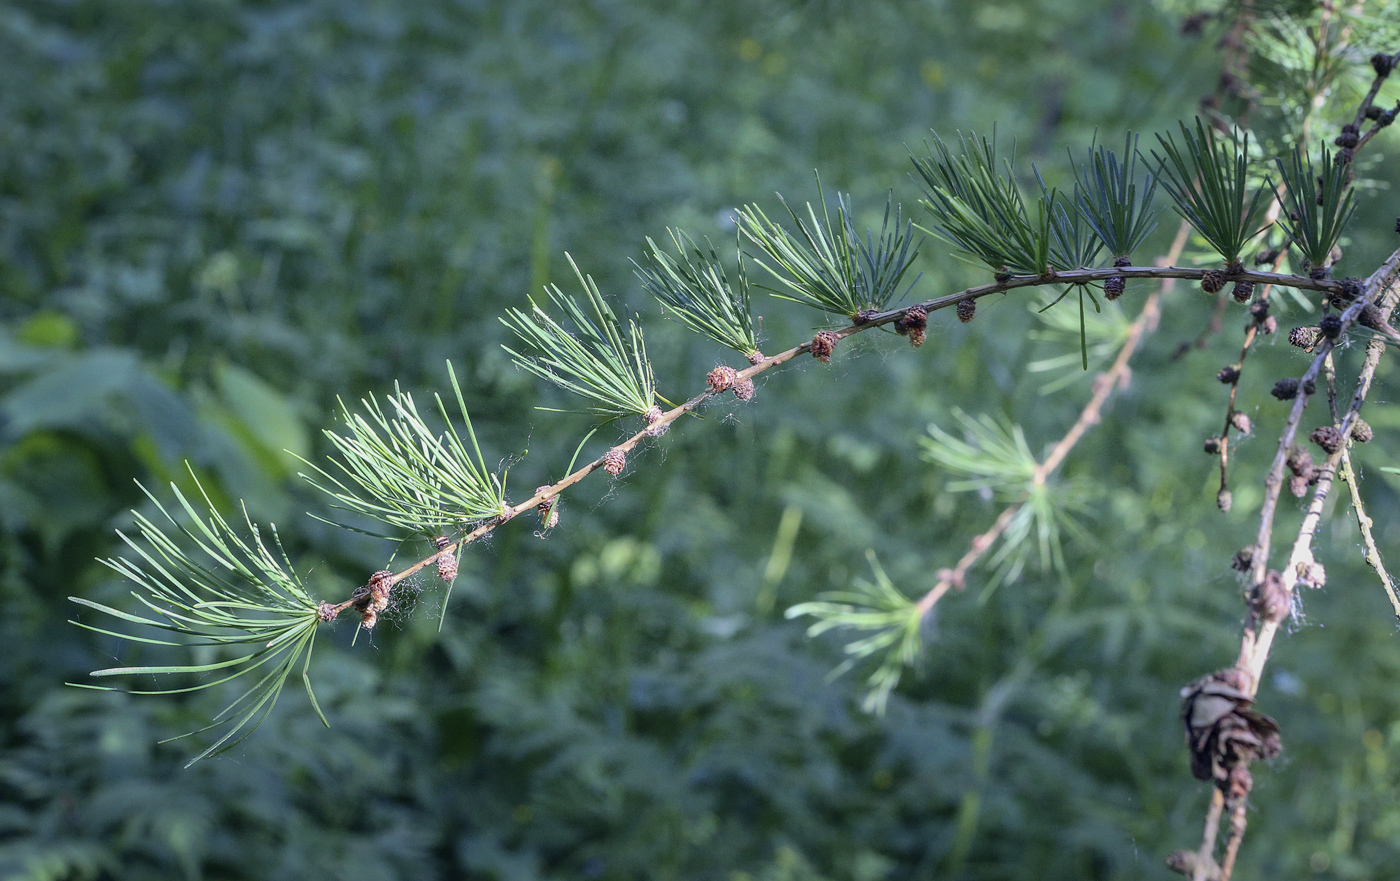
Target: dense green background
(217, 217)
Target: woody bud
(823, 344)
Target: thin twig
(1363, 520)
(1104, 385)
(1069, 277)
(1258, 634)
(1250, 334)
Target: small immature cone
(914, 324)
(1113, 286)
(1300, 462)
(1304, 337)
(1243, 291)
(327, 612)
(447, 566)
(1329, 437)
(1241, 423)
(1285, 389)
(1213, 281)
(823, 344)
(966, 309)
(1224, 500)
(614, 461)
(721, 378)
(1330, 325)
(368, 619)
(744, 390)
(653, 417)
(1361, 431)
(1228, 375)
(1212, 445)
(374, 595)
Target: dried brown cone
(744, 390)
(1241, 423)
(1285, 389)
(1212, 445)
(823, 344)
(1271, 600)
(1228, 375)
(721, 378)
(447, 566)
(1330, 326)
(614, 461)
(966, 309)
(1113, 286)
(1361, 431)
(1243, 291)
(865, 316)
(1222, 730)
(917, 337)
(1329, 437)
(1304, 337)
(1213, 281)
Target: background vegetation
(215, 218)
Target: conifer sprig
(595, 361)
(226, 590)
(696, 288)
(893, 621)
(1319, 204)
(827, 265)
(996, 457)
(1073, 242)
(980, 212)
(1106, 193)
(393, 467)
(1208, 178)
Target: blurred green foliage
(216, 217)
